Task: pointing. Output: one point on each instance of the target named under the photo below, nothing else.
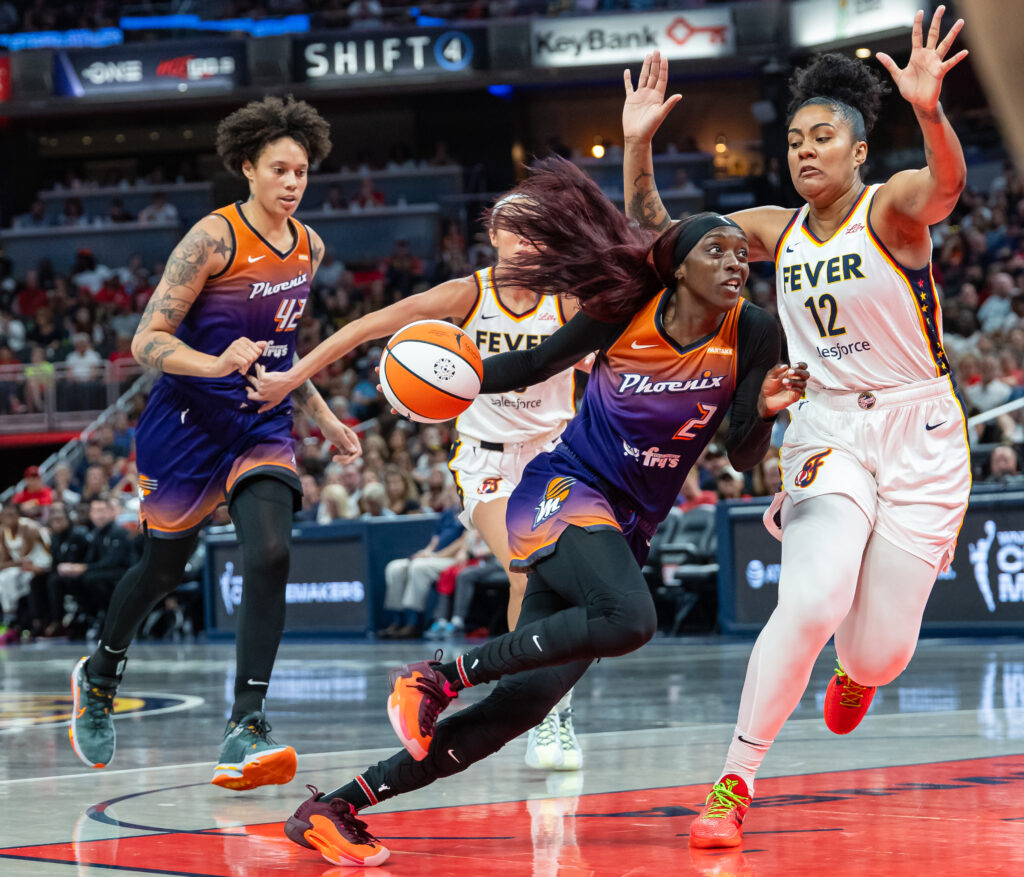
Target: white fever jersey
(858, 318)
(534, 411)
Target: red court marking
(951, 818)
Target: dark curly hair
(848, 87)
(246, 132)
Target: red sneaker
(846, 702)
(333, 828)
(720, 823)
(419, 692)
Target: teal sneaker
(250, 758)
(92, 716)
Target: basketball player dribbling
(677, 346)
(497, 435)
(231, 296)
(876, 463)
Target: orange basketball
(430, 371)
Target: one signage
(389, 54)
(326, 587)
(984, 586)
(138, 68)
(625, 39)
(819, 22)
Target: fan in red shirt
(34, 494)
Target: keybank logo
(1009, 565)
(295, 592)
(758, 574)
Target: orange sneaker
(720, 823)
(419, 692)
(846, 702)
(334, 829)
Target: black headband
(695, 229)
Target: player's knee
(816, 613)
(274, 554)
(877, 666)
(623, 623)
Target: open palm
(920, 81)
(645, 107)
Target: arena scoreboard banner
(141, 69)
(625, 39)
(821, 22)
(326, 584)
(333, 59)
(982, 591)
(336, 576)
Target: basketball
(430, 371)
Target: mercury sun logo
(555, 494)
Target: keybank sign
(623, 39)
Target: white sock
(565, 703)
(457, 621)
(745, 756)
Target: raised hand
(239, 357)
(646, 107)
(920, 82)
(782, 386)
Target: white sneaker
(572, 754)
(543, 750)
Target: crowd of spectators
(90, 314)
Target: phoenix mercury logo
(264, 289)
(555, 494)
(643, 385)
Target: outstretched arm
(454, 298)
(643, 112)
(523, 368)
(926, 196)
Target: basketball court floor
(932, 783)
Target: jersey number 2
(685, 432)
(288, 313)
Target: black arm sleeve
(522, 368)
(759, 343)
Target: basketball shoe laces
(722, 801)
(547, 731)
(853, 693)
(98, 706)
(437, 694)
(352, 827)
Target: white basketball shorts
(901, 454)
(483, 474)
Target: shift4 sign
(389, 54)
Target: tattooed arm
(644, 110)
(205, 250)
(316, 408)
(316, 250)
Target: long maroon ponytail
(585, 245)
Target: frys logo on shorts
(555, 494)
(1009, 562)
(805, 477)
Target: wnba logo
(805, 477)
(555, 494)
(1009, 562)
